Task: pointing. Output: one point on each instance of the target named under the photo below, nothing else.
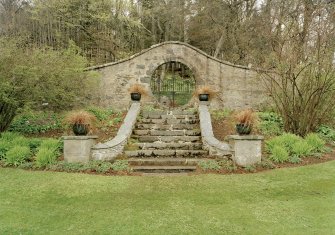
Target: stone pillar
(78, 148)
(247, 148)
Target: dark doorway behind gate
(173, 84)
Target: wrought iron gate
(173, 92)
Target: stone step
(167, 139)
(163, 161)
(169, 112)
(167, 133)
(166, 127)
(173, 146)
(165, 153)
(169, 116)
(167, 121)
(164, 169)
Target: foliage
(60, 73)
(120, 165)
(36, 122)
(138, 88)
(266, 163)
(326, 132)
(279, 154)
(34, 144)
(52, 144)
(316, 143)
(250, 168)
(209, 165)
(17, 155)
(220, 114)
(290, 147)
(5, 145)
(100, 113)
(286, 140)
(301, 148)
(46, 156)
(270, 123)
(228, 164)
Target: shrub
(17, 155)
(209, 165)
(120, 165)
(301, 148)
(46, 156)
(286, 140)
(279, 154)
(316, 143)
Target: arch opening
(173, 84)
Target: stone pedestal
(247, 148)
(78, 148)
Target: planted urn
(137, 91)
(246, 120)
(205, 93)
(81, 122)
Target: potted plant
(205, 93)
(137, 91)
(246, 119)
(81, 122)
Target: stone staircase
(165, 142)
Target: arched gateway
(238, 86)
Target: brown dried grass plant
(247, 118)
(138, 88)
(80, 117)
(205, 89)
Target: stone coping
(244, 137)
(125, 130)
(80, 137)
(167, 43)
(207, 131)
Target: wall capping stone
(167, 43)
(109, 150)
(213, 145)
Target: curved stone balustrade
(210, 143)
(109, 150)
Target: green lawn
(288, 201)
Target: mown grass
(285, 201)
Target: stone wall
(239, 87)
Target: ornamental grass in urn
(246, 120)
(137, 91)
(205, 93)
(81, 122)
